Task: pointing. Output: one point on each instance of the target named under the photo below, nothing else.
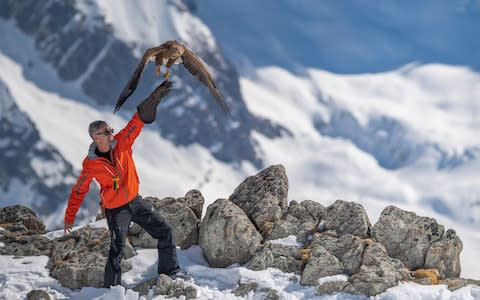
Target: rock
(78, 259)
(195, 201)
(263, 197)
(183, 220)
(330, 287)
(348, 249)
(270, 294)
(301, 220)
(347, 217)
(457, 283)
(227, 236)
(174, 288)
(406, 236)
(321, 263)
(164, 285)
(287, 258)
(143, 288)
(377, 273)
(38, 295)
(444, 255)
(24, 245)
(243, 289)
(17, 215)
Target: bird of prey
(169, 53)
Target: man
(109, 162)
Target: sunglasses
(107, 132)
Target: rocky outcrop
(263, 197)
(287, 258)
(24, 245)
(21, 218)
(78, 259)
(164, 285)
(347, 217)
(227, 235)
(300, 220)
(407, 236)
(181, 214)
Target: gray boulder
(194, 199)
(444, 255)
(320, 263)
(406, 236)
(377, 273)
(21, 218)
(227, 235)
(287, 258)
(15, 243)
(78, 259)
(263, 197)
(179, 213)
(347, 217)
(301, 220)
(38, 295)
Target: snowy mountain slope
(32, 171)
(97, 58)
(345, 36)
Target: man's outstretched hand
(67, 228)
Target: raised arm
(127, 135)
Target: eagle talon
(167, 74)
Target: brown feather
(198, 69)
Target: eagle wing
(133, 82)
(198, 69)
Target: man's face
(103, 137)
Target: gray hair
(93, 127)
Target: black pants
(141, 213)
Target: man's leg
(118, 221)
(156, 226)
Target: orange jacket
(105, 173)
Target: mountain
(33, 171)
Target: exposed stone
(321, 263)
(330, 287)
(347, 217)
(244, 288)
(301, 220)
(38, 295)
(17, 215)
(227, 236)
(287, 258)
(263, 197)
(348, 249)
(457, 283)
(444, 255)
(270, 294)
(406, 236)
(194, 199)
(78, 259)
(183, 220)
(377, 273)
(143, 288)
(24, 245)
